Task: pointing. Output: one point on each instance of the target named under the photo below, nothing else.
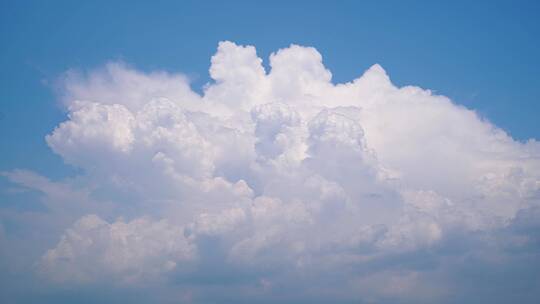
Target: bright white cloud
(281, 170)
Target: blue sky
(362, 155)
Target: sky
(240, 152)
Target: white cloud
(128, 251)
(117, 83)
(280, 169)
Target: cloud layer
(282, 186)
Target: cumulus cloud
(282, 180)
(131, 251)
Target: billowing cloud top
(283, 186)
